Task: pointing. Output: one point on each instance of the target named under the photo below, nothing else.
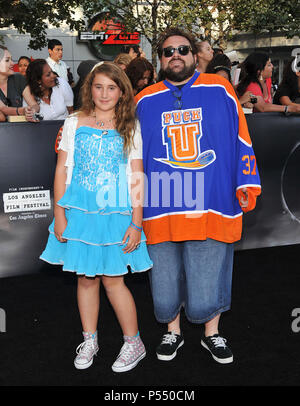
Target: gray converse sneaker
(132, 352)
(86, 351)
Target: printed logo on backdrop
(106, 35)
(22, 203)
(181, 135)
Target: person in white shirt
(53, 94)
(55, 50)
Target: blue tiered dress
(98, 210)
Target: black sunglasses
(182, 50)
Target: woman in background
(140, 73)
(53, 94)
(256, 77)
(12, 88)
(23, 63)
(205, 54)
(288, 91)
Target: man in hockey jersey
(201, 176)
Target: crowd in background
(45, 88)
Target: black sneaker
(218, 349)
(169, 345)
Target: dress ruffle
(93, 260)
(91, 202)
(95, 229)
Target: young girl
(97, 227)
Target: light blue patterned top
(99, 158)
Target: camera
(38, 117)
(253, 99)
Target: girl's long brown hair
(125, 108)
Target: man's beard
(180, 76)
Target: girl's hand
(134, 238)
(60, 225)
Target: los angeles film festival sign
(27, 200)
(106, 35)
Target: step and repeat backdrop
(27, 165)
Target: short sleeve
(137, 147)
(66, 91)
(68, 128)
(255, 89)
(67, 144)
(282, 90)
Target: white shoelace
(85, 348)
(126, 351)
(169, 338)
(219, 341)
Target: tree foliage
(270, 16)
(34, 17)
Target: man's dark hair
(52, 43)
(170, 32)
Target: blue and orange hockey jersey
(198, 156)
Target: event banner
(27, 164)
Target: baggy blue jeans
(193, 274)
